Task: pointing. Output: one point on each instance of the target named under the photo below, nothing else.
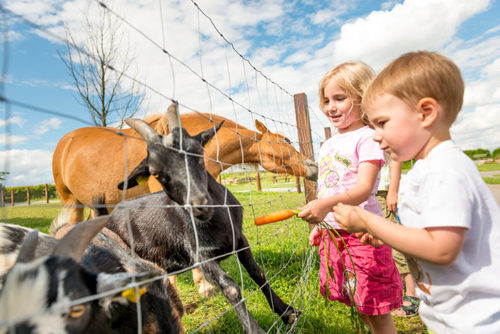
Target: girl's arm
(315, 211)
(437, 245)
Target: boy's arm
(437, 245)
(392, 192)
(315, 211)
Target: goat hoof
(290, 316)
(207, 290)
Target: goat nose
(198, 201)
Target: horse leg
(230, 289)
(205, 289)
(287, 313)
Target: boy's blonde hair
(416, 75)
(353, 77)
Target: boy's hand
(315, 235)
(315, 211)
(349, 217)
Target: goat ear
(27, 251)
(106, 282)
(136, 177)
(205, 136)
(74, 243)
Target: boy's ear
(428, 109)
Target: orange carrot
(275, 216)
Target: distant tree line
(481, 153)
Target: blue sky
(292, 42)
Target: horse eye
(77, 311)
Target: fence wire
(282, 156)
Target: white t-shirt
(446, 189)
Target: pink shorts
(374, 282)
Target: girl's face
(342, 111)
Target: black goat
(195, 220)
(35, 289)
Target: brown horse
(90, 161)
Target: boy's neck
(434, 140)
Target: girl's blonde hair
(353, 77)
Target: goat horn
(143, 128)
(27, 251)
(173, 119)
(75, 242)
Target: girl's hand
(315, 235)
(315, 211)
(368, 239)
(349, 217)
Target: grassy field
(282, 251)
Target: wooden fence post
(297, 182)
(257, 178)
(328, 132)
(12, 197)
(46, 193)
(305, 139)
(28, 195)
(3, 197)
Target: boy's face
(398, 128)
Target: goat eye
(77, 311)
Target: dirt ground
(495, 189)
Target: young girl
(348, 172)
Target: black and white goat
(39, 291)
(194, 221)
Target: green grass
(282, 251)
(488, 166)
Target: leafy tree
(97, 69)
(496, 153)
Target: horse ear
(205, 136)
(137, 176)
(27, 251)
(260, 126)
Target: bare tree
(97, 68)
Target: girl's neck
(352, 127)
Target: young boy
(451, 221)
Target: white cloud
(12, 120)
(478, 128)
(26, 167)
(383, 35)
(12, 140)
(47, 125)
